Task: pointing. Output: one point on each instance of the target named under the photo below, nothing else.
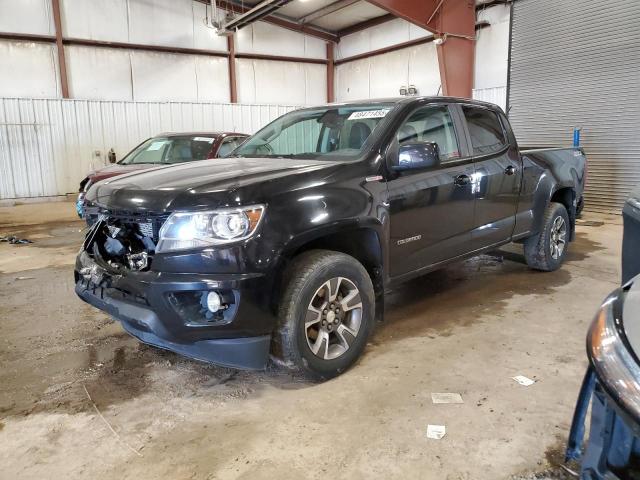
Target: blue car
(612, 382)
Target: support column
(233, 88)
(330, 73)
(62, 64)
(453, 21)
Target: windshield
(328, 133)
(169, 150)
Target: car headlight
(187, 230)
(611, 358)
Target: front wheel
(326, 314)
(547, 250)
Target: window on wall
(485, 130)
(431, 124)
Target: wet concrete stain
(46, 235)
(432, 303)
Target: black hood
(207, 184)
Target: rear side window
(485, 129)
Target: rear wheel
(326, 314)
(546, 251)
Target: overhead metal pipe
(254, 14)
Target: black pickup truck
(287, 246)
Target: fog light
(214, 302)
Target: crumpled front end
(162, 301)
(612, 388)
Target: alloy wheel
(558, 237)
(333, 318)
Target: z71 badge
(410, 239)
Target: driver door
(431, 209)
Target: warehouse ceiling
(329, 19)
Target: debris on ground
(13, 240)
(446, 398)
(25, 278)
(436, 432)
(524, 381)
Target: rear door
(431, 211)
(497, 177)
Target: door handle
(510, 170)
(462, 180)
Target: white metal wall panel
(576, 64)
(161, 22)
(157, 76)
(48, 145)
(492, 48)
(212, 75)
(266, 39)
(178, 23)
(105, 20)
(99, 73)
(28, 69)
(370, 78)
(424, 71)
(352, 80)
(26, 16)
(497, 95)
(381, 36)
(277, 82)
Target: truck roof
(193, 134)
(406, 100)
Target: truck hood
(205, 184)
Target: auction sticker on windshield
(368, 114)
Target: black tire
(304, 279)
(539, 250)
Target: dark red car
(165, 149)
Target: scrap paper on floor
(436, 432)
(446, 398)
(524, 381)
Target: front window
(170, 150)
(431, 124)
(328, 133)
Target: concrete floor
(467, 329)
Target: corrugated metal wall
(497, 95)
(578, 64)
(48, 145)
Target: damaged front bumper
(164, 309)
(612, 388)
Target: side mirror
(111, 156)
(417, 156)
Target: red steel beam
(233, 85)
(62, 64)
(454, 22)
(330, 73)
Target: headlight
(608, 350)
(184, 230)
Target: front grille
(146, 224)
